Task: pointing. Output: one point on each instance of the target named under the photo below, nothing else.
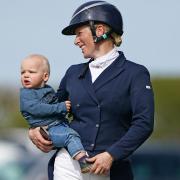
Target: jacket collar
(110, 72)
(106, 76)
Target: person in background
(40, 108)
(111, 98)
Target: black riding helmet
(93, 12)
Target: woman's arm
(142, 105)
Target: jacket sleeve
(142, 105)
(32, 105)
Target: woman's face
(85, 41)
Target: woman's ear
(100, 30)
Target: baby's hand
(68, 105)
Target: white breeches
(65, 168)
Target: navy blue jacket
(115, 113)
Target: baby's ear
(46, 76)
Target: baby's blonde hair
(45, 61)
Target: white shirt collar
(107, 59)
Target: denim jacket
(40, 106)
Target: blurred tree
(167, 103)
(9, 109)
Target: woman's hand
(101, 163)
(39, 141)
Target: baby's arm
(31, 104)
(39, 109)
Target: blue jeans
(64, 136)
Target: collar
(103, 61)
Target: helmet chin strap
(93, 30)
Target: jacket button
(97, 125)
(92, 145)
(98, 106)
(77, 105)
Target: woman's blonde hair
(114, 36)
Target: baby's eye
(32, 72)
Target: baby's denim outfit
(41, 108)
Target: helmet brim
(70, 30)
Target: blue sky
(151, 35)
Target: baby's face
(33, 74)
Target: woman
(111, 97)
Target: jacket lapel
(87, 83)
(107, 75)
(110, 72)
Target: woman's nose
(76, 41)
